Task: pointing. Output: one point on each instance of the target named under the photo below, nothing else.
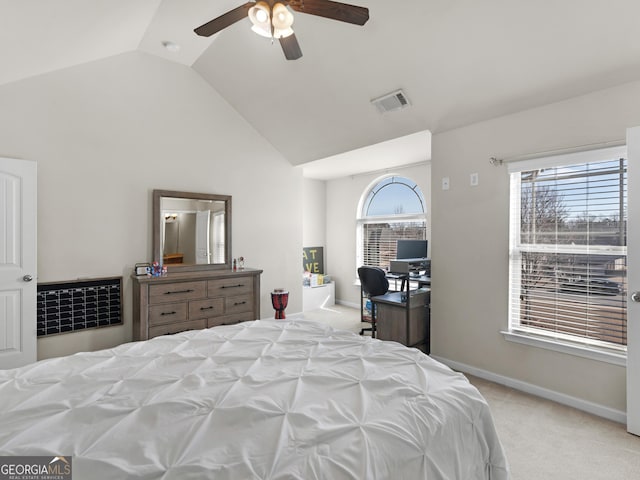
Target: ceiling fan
(272, 18)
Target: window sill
(600, 355)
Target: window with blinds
(568, 255)
(391, 210)
(380, 239)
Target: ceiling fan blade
(223, 21)
(290, 47)
(342, 12)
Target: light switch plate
(473, 179)
(445, 183)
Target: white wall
(105, 134)
(314, 206)
(343, 197)
(470, 241)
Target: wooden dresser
(193, 300)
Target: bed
(265, 399)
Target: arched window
(393, 208)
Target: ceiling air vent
(391, 101)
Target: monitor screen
(411, 249)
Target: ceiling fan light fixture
(260, 16)
(261, 31)
(282, 33)
(282, 17)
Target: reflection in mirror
(192, 229)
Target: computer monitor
(411, 249)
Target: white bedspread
(257, 400)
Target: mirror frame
(158, 195)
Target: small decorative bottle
(235, 265)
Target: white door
(17, 262)
(633, 280)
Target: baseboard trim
(578, 403)
(348, 304)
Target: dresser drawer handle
(233, 286)
(239, 303)
(206, 308)
(179, 331)
(180, 291)
(168, 313)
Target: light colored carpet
(543, 440)
(546, 440)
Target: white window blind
(568, 255)
(380, 239)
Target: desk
(406, 322)
(421, 280)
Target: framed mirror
(191, 231)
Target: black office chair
(373, 282)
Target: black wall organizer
(64, 307)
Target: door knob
(635, 296)
(27, 278)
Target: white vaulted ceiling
(458, 61)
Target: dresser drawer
(167, 313)
(238, 304)
(177, 327)
(206, 308)
(223, 287)
(176, 292)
